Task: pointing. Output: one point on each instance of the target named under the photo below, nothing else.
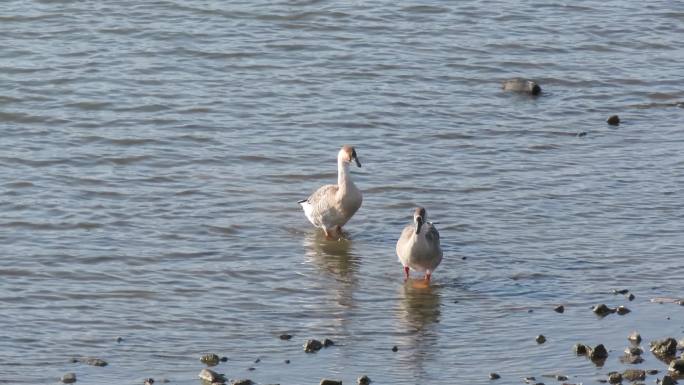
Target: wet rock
(210, 359)
(635, 337)
(680, 344)
(224, 359)
(614, 377)
(287, 361)
(326, 381)
(621, 310)
(521, 85)
(211, 376)
(652, 372)
(614, 120)
(69, 378)
(494, 376)
(540, 339)
(243, 382)
(664, 348)
(630, 297)
(257, 360)
(667, 380)
(561, 377)
(363, 380)
(93, 361)
(582, 134)
(677, 366)
(631, 359)
(251, 368)
(580, 349)
(395, 348)
(599, 352)
(328, 342)
(602, 310)
(119, 339)
(634, 350)
(621, 291)
(312, 346)
(148, 381)
(530, 380)
(559, 309)
(634, 375)
(285, 337)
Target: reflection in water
(420, 311)
(333, 257)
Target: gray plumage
(418, 247)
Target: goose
(331, 206)
(418, 246)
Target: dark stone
(257, 360)
(677, 366)
(149, 381)
(328, 342)
(243, 382)
(621, 310)
(614, 120)
(119, 339)
(251, 368)
(210, 359)
(285, 337)
(312, 346)
(529, 379)
(664, 348)
(93, 361)
(540, 339)
(561, 377)
(69, 378)
(325, 381)
(631, 359)
(522, 85)
(599, 352)
(634, 350)
(630, 297)
(363, 380)
(667, 380)
(395, 348)
(634, 375)
(211, 376)
(652, 372)
(580, 349)
(614, 377)
(602, 310)
(635, 337)
(494, 376)
(287, 361)
(621, 291)
(224, 359)
(559, 309)
(582, 134)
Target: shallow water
(153, 153)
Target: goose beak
(419, 224)
(358, 163)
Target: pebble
(599, 352)
(363, 380)
(666, 347)
(148, 381)
(119, 339)
(559, 309)
(580, 349)
(540, 339)
(326, 381)
(634, 350)
(328, 342)
(494, 376)
(224, 359)
(621, 291)
(621, 310)
(677, 366)
(652, 372)
(561, 378)
(93, 361)
(602, 310)
(630, 297)
(634, 375)
(667, 380)
(529, 380)
(614, 120)
(287, 361)
(243, 382)
(69, 378)
(395, 348)
(312, 346)
(521, 85)
(285, 337)
(251, 368)
(614, 378)
(582, 134)
(257, 360)
(631, 359)
(211, 376)
(635, 337)
(210, 359)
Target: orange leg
(428, 274)
(406, 272)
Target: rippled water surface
(152, 153)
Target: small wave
(425, 9)
(19, 184)
(51, 226)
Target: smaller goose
(418, 246)
(331, 206)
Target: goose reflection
(335, 258)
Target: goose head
(419, 217)
(347, 154)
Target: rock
(328, 342)
(582, 134)
(559, 309)
(677, 366)
(630, 359)
(602, 310)
(395, 348)
(614, 120)
(119, 339)
(494, 376)
(635, 337)
(529, 379)
(224, 359)
(666, 347)
(243, 382)
(540, 339)
(634, 375)
(287, 361)
(667, 380)
(521, 85)
(148, 381)
(621, 310)
(69, 378)
(211, 376)
(580, 349)
(561, 378)
(599, 352)
(630, 297)
(93, 361)
(251, 368)
(285, 337)
(614, 377)
(652, 372)
(312, 346)
(621, 291)
(325, 381)
(634, 350)
(363, 380)
(210, 359)
(257, 360)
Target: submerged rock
(285, 337)
(580, 349)
(630, 297)
(621, 291)
(243, 382)
(631, 359)
(634, 350)
(521, 85)
(530, 379)
(210, 359)
(326, 381)
(494, 376)
(312, 346)
(559, 309)
(635, 337)
(634, 375)
(677, 366)
(602, 310)
(69, 378)
(363, 380)
(328, 342)
(614, 120)
(614, 377)
(395, 348)
(652, 372)
(148, 381)
(211, 376)
(540, 339)
(664, 348)
(621, 310)
(599, 352)
(667, 380)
